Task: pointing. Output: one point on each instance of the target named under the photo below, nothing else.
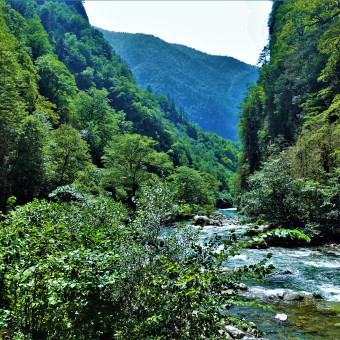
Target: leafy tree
(12, 107)
(99, 121)
(130, 160)
(273, 193)
(57, 84)
(193, 187)
(37, 38)
(75, 53)
(13, 47)
(30, 168)
(70, 155)
(50, 109)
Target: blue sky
(233, 28)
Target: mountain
(290, 166)
(208, 87)
(69, 102)
(92, 167)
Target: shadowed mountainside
(208, 87)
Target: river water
(311, 271)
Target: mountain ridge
(208, 87)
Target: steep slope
(67, 101)
(208, 87)
(290, 121)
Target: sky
(230, 28)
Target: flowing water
(311, 272)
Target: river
(311, 272)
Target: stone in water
(281, 317)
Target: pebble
(281, 317)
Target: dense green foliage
(289, 126)
(78, 270)
(129, 161)
(91, 170)
(69, 103)
(208, 87)
(74, 124)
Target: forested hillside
(97, 176)
(208, 87)
(70, 105)
(289, 172)
(91, 169)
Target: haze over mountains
(208, 87)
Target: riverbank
(307, 270)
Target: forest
(66, 96)
(208, 87)
(93, 169)
(289, 126)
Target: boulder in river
(226, 335)
(201, 220)
(281, 317)
(317, 296)
(228, 292)
(242, 286)
(218, 216)
(216, 223)
(235, 332)
(292, 296)
(332, 253)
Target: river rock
(224, 271)
(306, 294)
(242, 286)
(218, 216)
(292, 296)
(228, 292)
(201, 220)
(317, 296)
(226, 335)
(332, 253)
(217, 223)
(281, 294)
(173, 225)
(281, 272)
(335, 246)
(281, 317)
(235, 332)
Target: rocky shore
(289, 304)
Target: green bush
(84, 270)
(277, 197)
